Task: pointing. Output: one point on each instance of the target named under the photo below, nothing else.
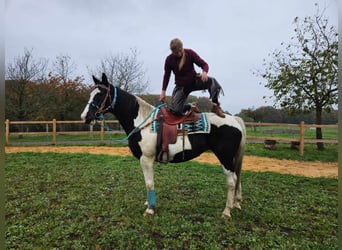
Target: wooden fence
(299, 140)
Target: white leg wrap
(147, 167)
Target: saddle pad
(200, 126)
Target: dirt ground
(252, 163)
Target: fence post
(7, 130)
(301, 139)
(102, 130)
(91, 129)
(54, 132)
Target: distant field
(282, 151)
(290, 132)
(259, 131)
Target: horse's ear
(97, 81)
(104, 79)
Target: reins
(101, 111)
(140, 127)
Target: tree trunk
(319, 134)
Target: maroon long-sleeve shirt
(187, 74)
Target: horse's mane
(144, 107)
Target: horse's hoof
(237, 205)
(148, 212)
(146, 204)
(226, 214)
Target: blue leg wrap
(151, 199)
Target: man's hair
(176, 44)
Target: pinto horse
(226, 138)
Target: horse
(226, 139)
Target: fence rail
(51, 129)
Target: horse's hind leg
(147, 168)
(231, 180)
(238, 191)
(238, 194)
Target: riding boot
(217, 110)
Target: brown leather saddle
(168, 130)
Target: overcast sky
(232, 36)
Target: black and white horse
(226, 138)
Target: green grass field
(82, 201)
(260, 131)
(291, 132)
(282, 151)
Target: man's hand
(204, 76)
(162, 96)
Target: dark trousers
(180, 94)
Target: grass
(15, 138)
(290, 132)
(82, 201)
(283, 151)
(259, 131)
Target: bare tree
(26, 68)
(65, 87)
(23, 70)
(125, 71)
(63, 67)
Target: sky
(233, 37)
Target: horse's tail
(241, 150)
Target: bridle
(99, 114)
(102, 109)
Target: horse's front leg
(231, 179)
(147, 168)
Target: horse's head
(100, 101)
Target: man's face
(177, 52)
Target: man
(181, 62)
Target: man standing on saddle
(181, 62)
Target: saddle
(168, 130)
